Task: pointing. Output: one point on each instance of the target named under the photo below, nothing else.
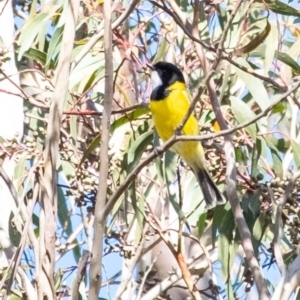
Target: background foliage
(249, 52)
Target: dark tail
(211, 193)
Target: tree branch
(49, 181)
(289, 282)
(80, 274)
(99, 222)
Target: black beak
(150, 67)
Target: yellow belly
(167, 114)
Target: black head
(164, 73)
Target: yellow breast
(168, 113)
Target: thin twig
(146, 275)
(131, 266)
(15, 261)
(100, 33)
(100, 113)
(167, 282)
(227, 26)
(266, 79)
(186, 274)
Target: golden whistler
(169, 103)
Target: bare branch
(99, 222)
(289, 282)
(49, 188)
(80, 273)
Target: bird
(169, 103)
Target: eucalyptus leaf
(282, 8)
(225, 241)
(296, 152)
(255, 85)
(30, 31)
(243, 113)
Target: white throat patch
(155, 80)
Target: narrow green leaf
(271, 46)
(170, 176)
(225, 82)
(64, 218)
(138, 213)
(255, 42)
(201, 224)
(134, 115)
(13, 296)
(161, 51)
(67, 168)
(219, 214)
(137, 149)
(258, 231)
(158, 161)
(256, 154)
(277, 163)
(293, 52)
(243, 113)
(84, 69)
(54, 45)
(283, 57)
(36, 55)
(20, 170)
(58, 279)
(279, 144)
(30, 31)
(255, 85)
(92, 146)
(193, 200)
(281, 8)
(296, 152)
(87, 82)
(225, 240)
(229, 291)
(14, 231)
